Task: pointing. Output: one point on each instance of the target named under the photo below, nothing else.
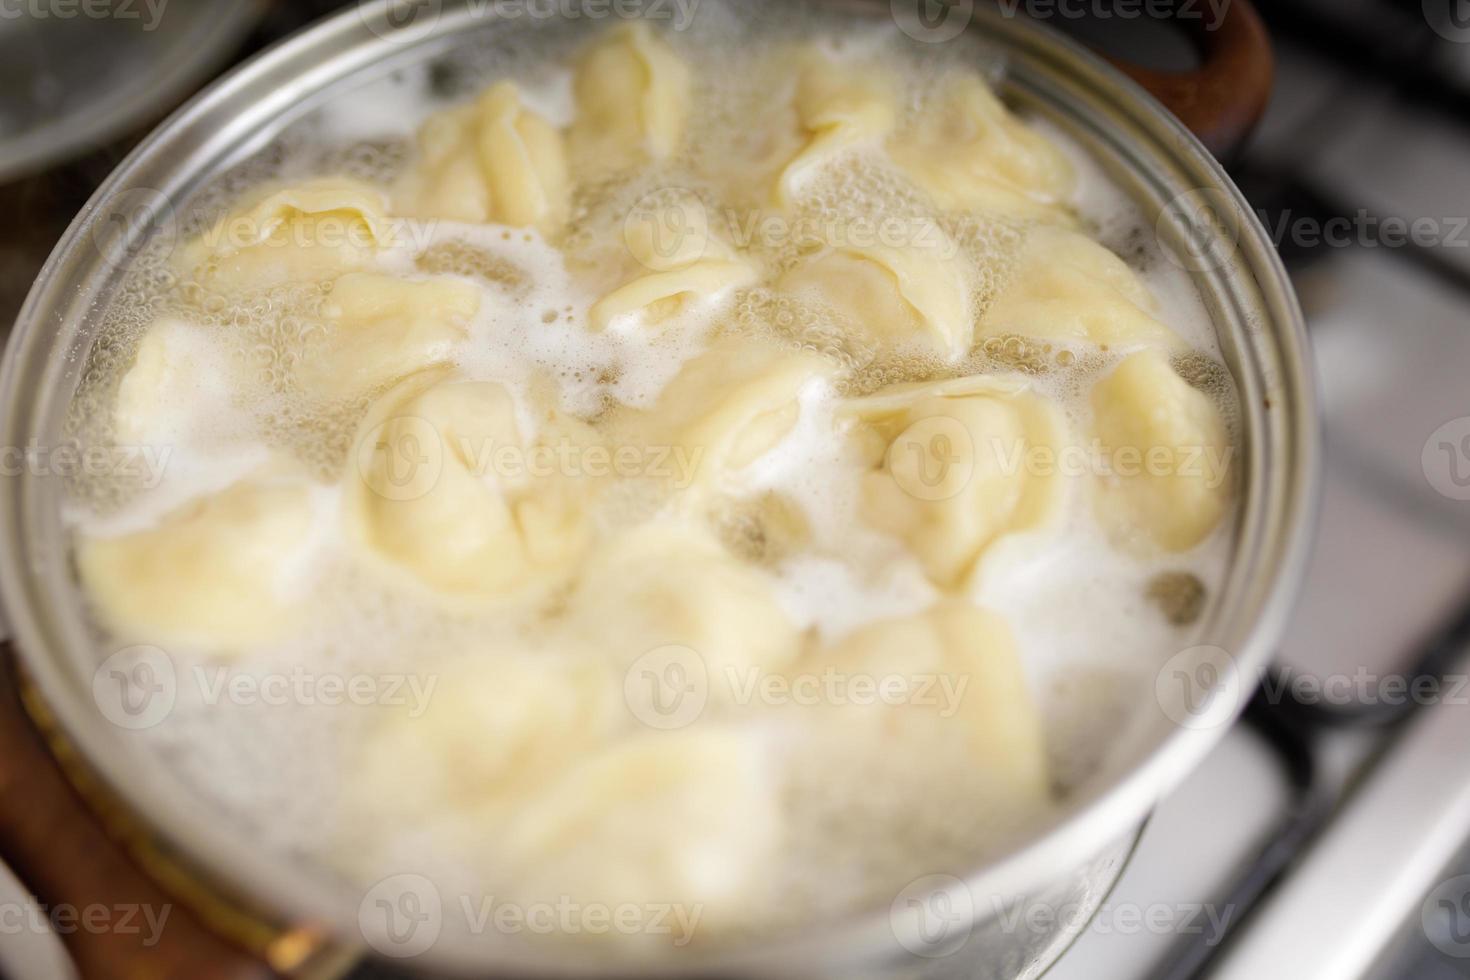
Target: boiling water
(1090, 636)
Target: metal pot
(1069, 864)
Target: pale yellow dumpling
(958, 464)
(667, 276)
(496, 726)
(178, 380)
(970, 153)
(673, 584)
(1067, 287)
(838, 107)
(728, 407)
(961, 693)
(1170, 453)
(689, 817)
(493, 161)
(444, 486)
(212, 575)
(381, 328)
(632, 94)
(308, 232)
(915, 297)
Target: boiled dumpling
(667, 277)
(954, 467)
(838, 107)
(497, 725)
(690, 817)
(894, 297)
(179, 383)
(1170, 452)
(729, 406)
(632, 94)
(492, 161)
(974, 707)
(304, 233)
(218, 574)
(673, 584)
(970, 153)
(1067, 287)
(430, 491)
(381, 328)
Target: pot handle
(114, 918)
(1222, 100)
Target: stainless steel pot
(1068, 864)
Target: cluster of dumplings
(534, 765)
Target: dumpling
(179, 381)
(303, 233)
(491, 161)
(728, 407)
(216, 575)
(970, 153)
(1169, 452)
(497, 725)
(381, 328)
(691, 817)
(632, 94)
(838, 107)
(1067, 287)
(432, 492)
(894, 297)
(963, 694)
(668, 277)
(956, 467)
(672, 584)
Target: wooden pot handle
(1222, 100)
(75, 864)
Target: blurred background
(1329, 835)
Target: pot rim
(224, 123)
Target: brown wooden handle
(116, 921)
(1222, 100)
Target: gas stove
(1328, 836)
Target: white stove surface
(1379, 895)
